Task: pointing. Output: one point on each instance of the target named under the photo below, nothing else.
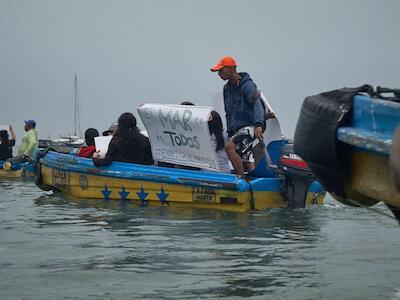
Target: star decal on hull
(142, 196)
(163, 197)
(106, 193)
(123, 194)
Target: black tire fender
(315, 136)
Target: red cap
(226, 61)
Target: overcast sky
(129, 52)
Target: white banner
(101, 143)
(179, 134)
(273, 129)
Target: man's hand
(270, 115)
(258, 133)
(96, 154)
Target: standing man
(28, 144)
(245, 115)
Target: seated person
(28, 145)
(218, 141)
(90, 148)
(6, 144)
(127, 145)
(111, 130)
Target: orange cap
(226, 61)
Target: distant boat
(17, 170)
(73, 140)
(69, 140)
(345, 136)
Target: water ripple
(103, 250)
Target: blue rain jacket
(243, 105)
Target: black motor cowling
(296, 177)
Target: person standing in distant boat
(245, 114)
(28, 144)
(6, 144)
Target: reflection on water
(102, 249)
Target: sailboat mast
(76, 104)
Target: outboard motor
(296, 177)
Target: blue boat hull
(153, 185)
(18, 170)
(361, 147)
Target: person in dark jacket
(6, 144)
(127, 145)
(90, 148)
(218, 141)
(245, 115)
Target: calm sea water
(55, 247)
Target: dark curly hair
(127, 132)
(215, 126)
(90, 134)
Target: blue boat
(290, 185)
(352, 133)
(17, 170)
(179, 135)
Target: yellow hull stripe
(91, 186)
(370, 177)
(21, 173)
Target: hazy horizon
(129, 52)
